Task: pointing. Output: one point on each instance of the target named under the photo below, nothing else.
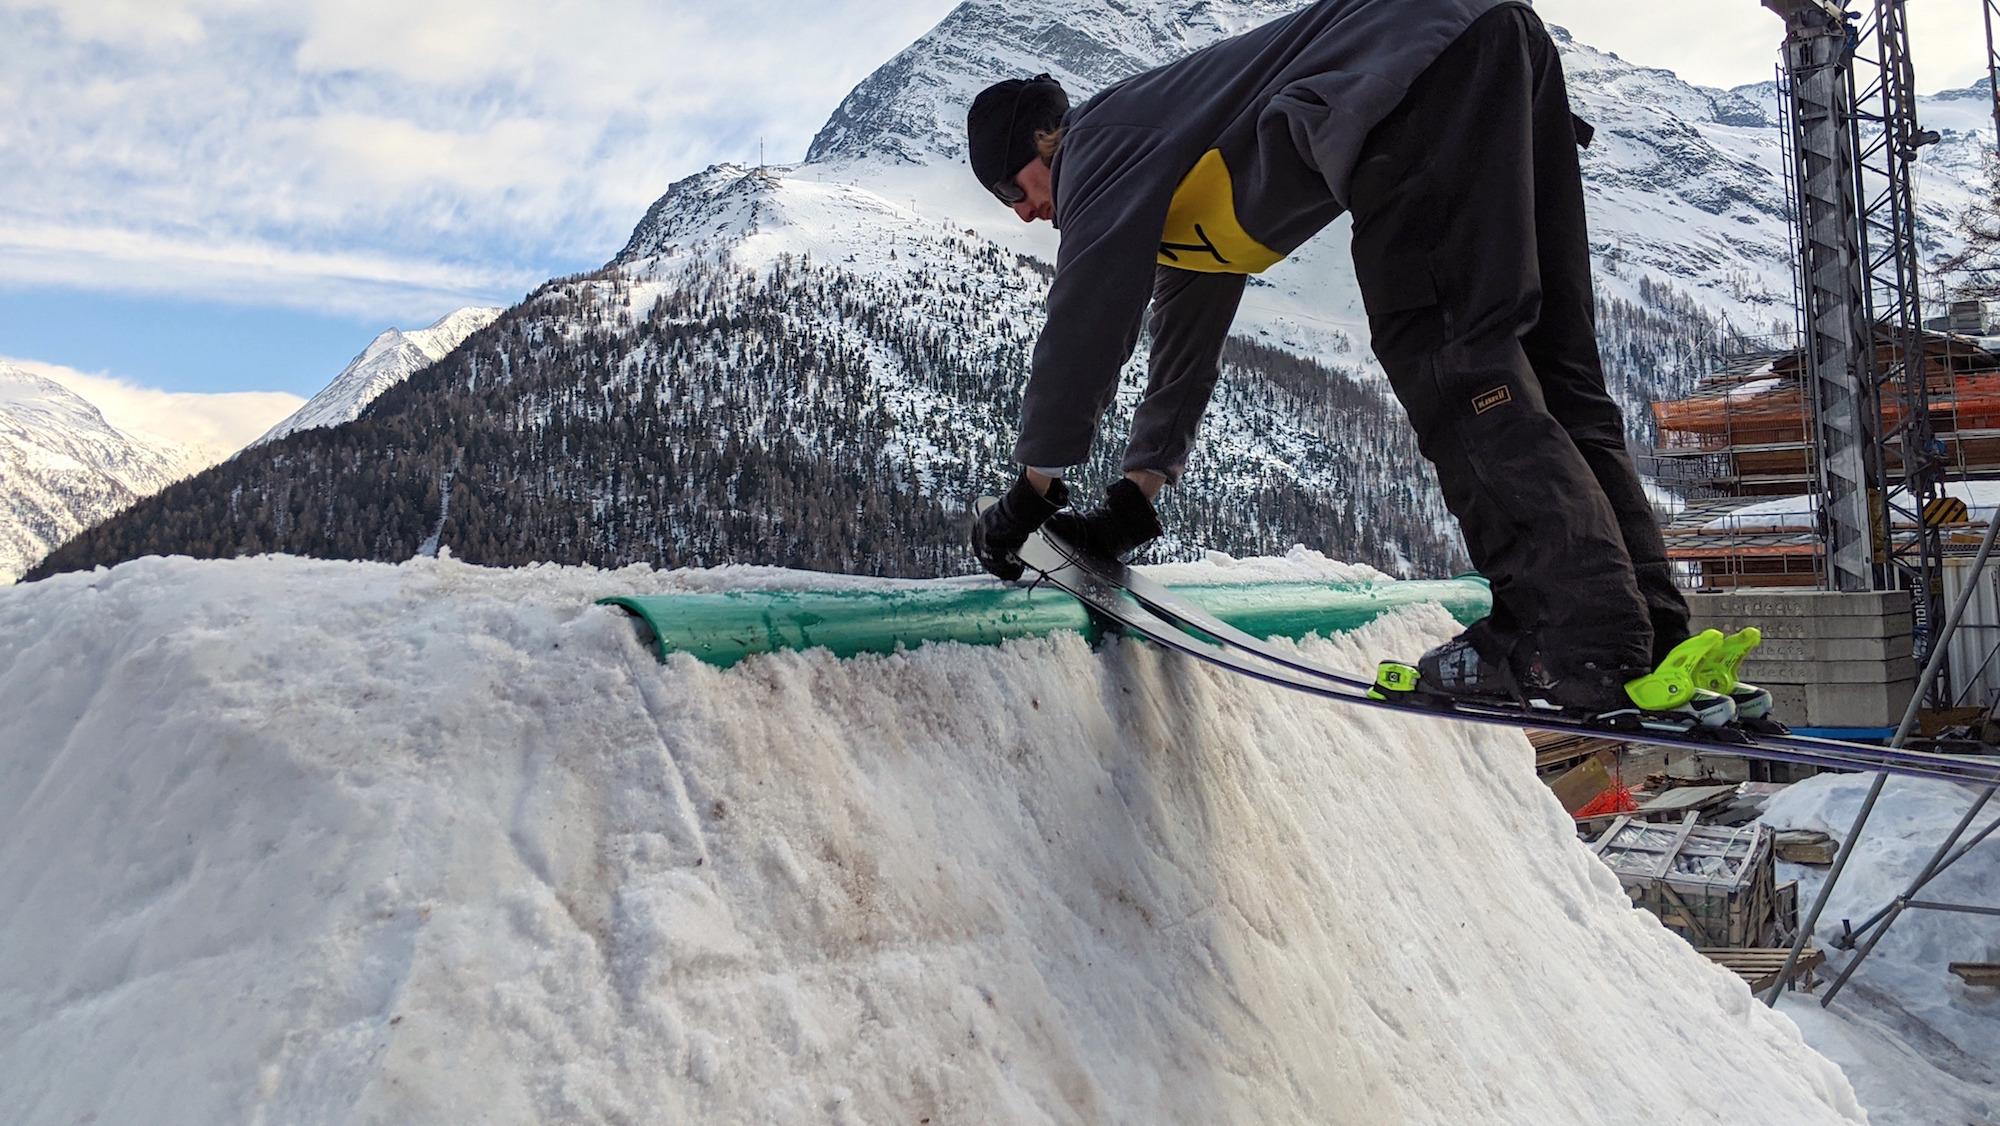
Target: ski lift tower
(1847, 93)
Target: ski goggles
(1007, 191)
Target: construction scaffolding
(1816, 97)
(1869, 415)
(1746, 435)
(1908, 462)
(1930, 414)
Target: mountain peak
(389, 359)
(22, 391)
(65, 467)
(912, 109)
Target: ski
(1139, 606)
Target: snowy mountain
(912, 109)
(1953, 170)
(64, 468)
(819, 364)
(388, 360)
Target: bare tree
(1980, 260)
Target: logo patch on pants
(1486, 401)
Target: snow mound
(300, 841)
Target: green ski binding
(1673, 682)
(1717, 670)
(1393, 679)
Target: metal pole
(1992, 67)
(1939, 647)
(1970, 845)
(1963, 908)
(1804, 935)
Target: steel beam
(1818, 76)
(1991, 9)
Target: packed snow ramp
(292, 841)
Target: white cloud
(371, 149)
(220, 423)
(1733, 42)
(123, 22)
(241, 270)
(371, 156)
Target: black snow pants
(1474, 264)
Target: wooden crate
(1760, 965)
(1557, 751)
(1715, 887)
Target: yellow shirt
(1202, 233)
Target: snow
(1795, 513)
(63, 467)
(1898, 1085)
(1300, 565)
(1916, 1041)
(303, 841)
(392, 357)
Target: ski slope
(294, 841)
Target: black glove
(1003, 528)
(1123, 523)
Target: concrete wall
(1829, 659)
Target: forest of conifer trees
(807, 417)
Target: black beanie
(1001, 126)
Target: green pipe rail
(724, 628)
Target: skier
(1444, 127)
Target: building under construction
(1747, 434)
(1843, 496)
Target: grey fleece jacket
(1279, 114)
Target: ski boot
(1453, 672)
(1664, 700)
(1716, 672)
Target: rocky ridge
(388, 360)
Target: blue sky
(229, 195)
(182, 345)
